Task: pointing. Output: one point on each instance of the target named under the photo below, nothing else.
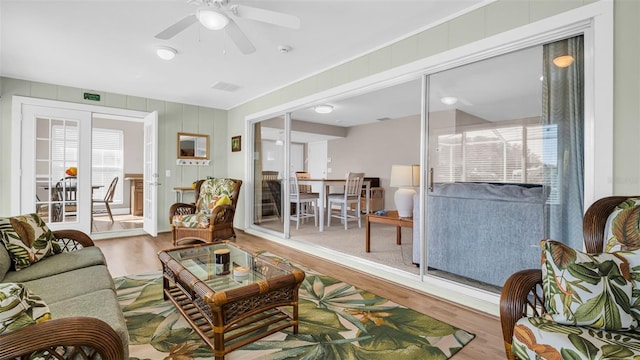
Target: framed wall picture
(236, 144)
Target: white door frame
(16, 134)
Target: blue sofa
(470, 223)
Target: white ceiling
(505, 87)
(110, 45)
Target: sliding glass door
(504, 163)
(268, 174)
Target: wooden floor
(133, 255)
(102, 223)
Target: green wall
(172, 118)
(626, 98)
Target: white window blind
(107, 161)
(513, 154)
(64, 147)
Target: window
(107, 161)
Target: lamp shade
(405, 176)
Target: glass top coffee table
(230, 306)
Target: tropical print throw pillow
(19, 308)
(27, 239)
(591, 290)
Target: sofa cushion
(102, 304)
(199, 221)
(28, 239)
(19, 307)
(537, 338)
(586, 289)
(621, 229)
(72, 283)
(66, 261)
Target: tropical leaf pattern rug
(337, 321)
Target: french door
(52, 171)
(151, 173)
(56, 173)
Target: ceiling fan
(219, 14)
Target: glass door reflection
(269, 174)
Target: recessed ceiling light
(563, 61)
(449, 100)
(323, 109)
(166, 53)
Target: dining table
(323, 193)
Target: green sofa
(79, 291)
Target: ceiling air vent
(223, 86)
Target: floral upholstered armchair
(211, 217)
(580, 305)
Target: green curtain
(563, 112)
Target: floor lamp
(405, 178)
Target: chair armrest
(71, 240)
(61, 334)
(222, 214)
(521, 297)
(595, 220)
(181, 209)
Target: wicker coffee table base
(229, 320)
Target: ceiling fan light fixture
(212, 19)
(166, 53)
(323, 109)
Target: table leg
(398, 235)
(321, 202)
(367, 234)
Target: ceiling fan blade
(267, 16)
(176, 28)
(239, 38)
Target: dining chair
(66, 190)
(304, 201)
(108, 198)
(351, 195)
(271, 193)
(301, 175)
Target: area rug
(337, 321)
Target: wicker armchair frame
(522, 292)
(65, 338)
(220, 222)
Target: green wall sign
(92, 97)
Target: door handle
(431, 179)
